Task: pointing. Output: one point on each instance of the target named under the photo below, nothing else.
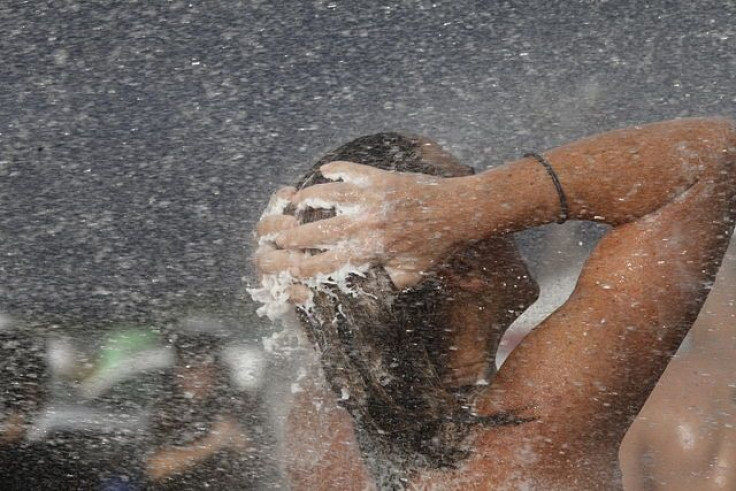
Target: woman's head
(399, 359)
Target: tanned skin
(585, 372)
(685, 435)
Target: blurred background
(139, 142)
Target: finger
(274, 224)
(358, 174)
(326, 263)
(279, 201)
(317, 235)
(403, 279)
(323, 195)
(275, 261)
(407, 272)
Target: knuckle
(282, 240)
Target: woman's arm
(587, 370)
(407, 222)
(172, 460)
(667, 188)
(614, 177)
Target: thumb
(403, 279)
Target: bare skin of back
(585, 372)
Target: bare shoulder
(684, 403)
(683, 438)
(320, 448)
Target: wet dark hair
(383, 350)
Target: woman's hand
(405, 222)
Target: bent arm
(409, 222)
(172, 460)
(168, 461)
(588, 369)
(616, 177)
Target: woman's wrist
(467, 209)
(508, 198)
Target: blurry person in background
(23, 395)
(685, 436)
(205, 433)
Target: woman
(555, 414)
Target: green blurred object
(125, 355)
(123, 343)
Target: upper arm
(588, 369)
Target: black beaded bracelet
(558, 185)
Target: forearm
(168, 461)
(613, 178)
(408, 222)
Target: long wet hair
(383, 350)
